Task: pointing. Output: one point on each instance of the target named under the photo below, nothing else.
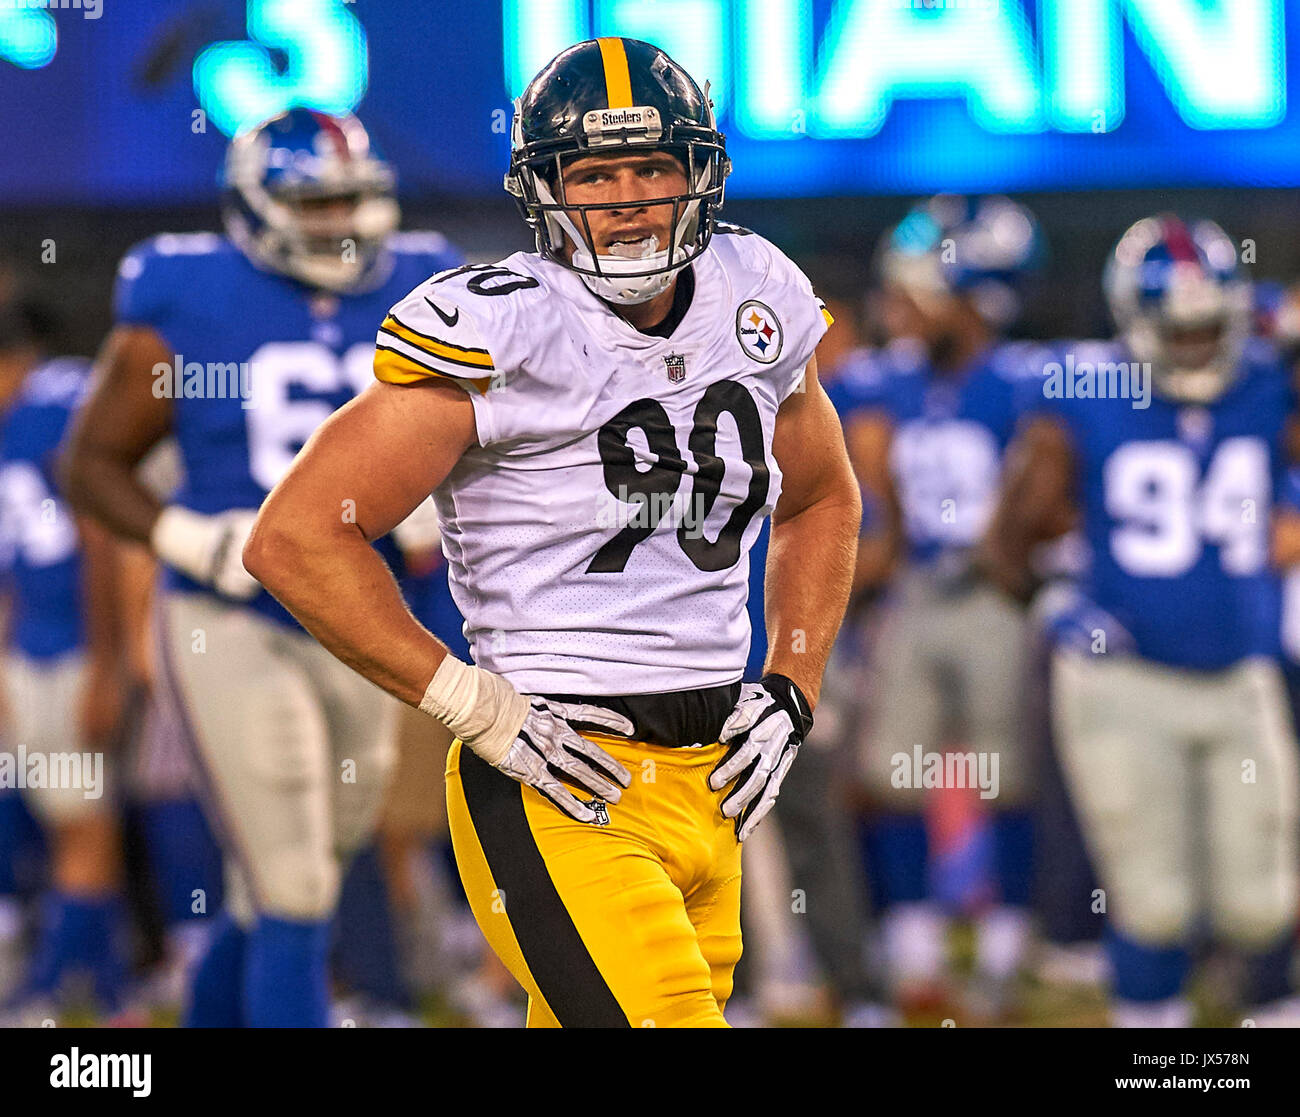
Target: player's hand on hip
(530, 739)
(548, 748)
(763, 734)
(208, 549)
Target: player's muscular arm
(1036, 504)
(868, 437)
(359, 476)
(102, 696)
(363, 472)
(811, 556)
(114, 429)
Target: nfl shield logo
(676, 366)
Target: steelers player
(604, 425)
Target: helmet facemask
(1194, 340)
(537, 181)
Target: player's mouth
(633, 245)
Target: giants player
(1169, 708)
(65, 680)
(292, 749)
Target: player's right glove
(530, 739)
(208, 549)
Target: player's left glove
(764, 732)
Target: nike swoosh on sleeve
(449, 319)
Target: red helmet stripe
(1179, 238)
(331, 127)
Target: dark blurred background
(113, 119)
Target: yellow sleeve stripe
(830, 320)
(393, 367)
(618, 82)
(443, 350)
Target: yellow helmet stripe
(618, 83)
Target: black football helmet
(604, 95)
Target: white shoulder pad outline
(771, 265)
(167, 246)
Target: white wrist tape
(185, 540)
(481, 708)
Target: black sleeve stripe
(424, 363)
(437, 340)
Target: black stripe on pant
(552, 948)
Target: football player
(930, 419)
(1168, 704)
(241, 345)
(64, 679)
(604, 423)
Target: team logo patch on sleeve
(758, 331)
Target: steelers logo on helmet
(759, 331)
(615, 96)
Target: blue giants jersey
(38, 536)
(260, 361)
(1176, 503)
(949, 434)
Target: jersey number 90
(655, 488)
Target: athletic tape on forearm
(481, 708)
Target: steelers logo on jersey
(758, 331)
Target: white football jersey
(598, 536)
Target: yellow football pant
(634, 924)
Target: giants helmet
(279, 174)
(986, 249)
(1181, 304)
(614, 95)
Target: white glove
(208, 549)
(530, 739)
(764, 731)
